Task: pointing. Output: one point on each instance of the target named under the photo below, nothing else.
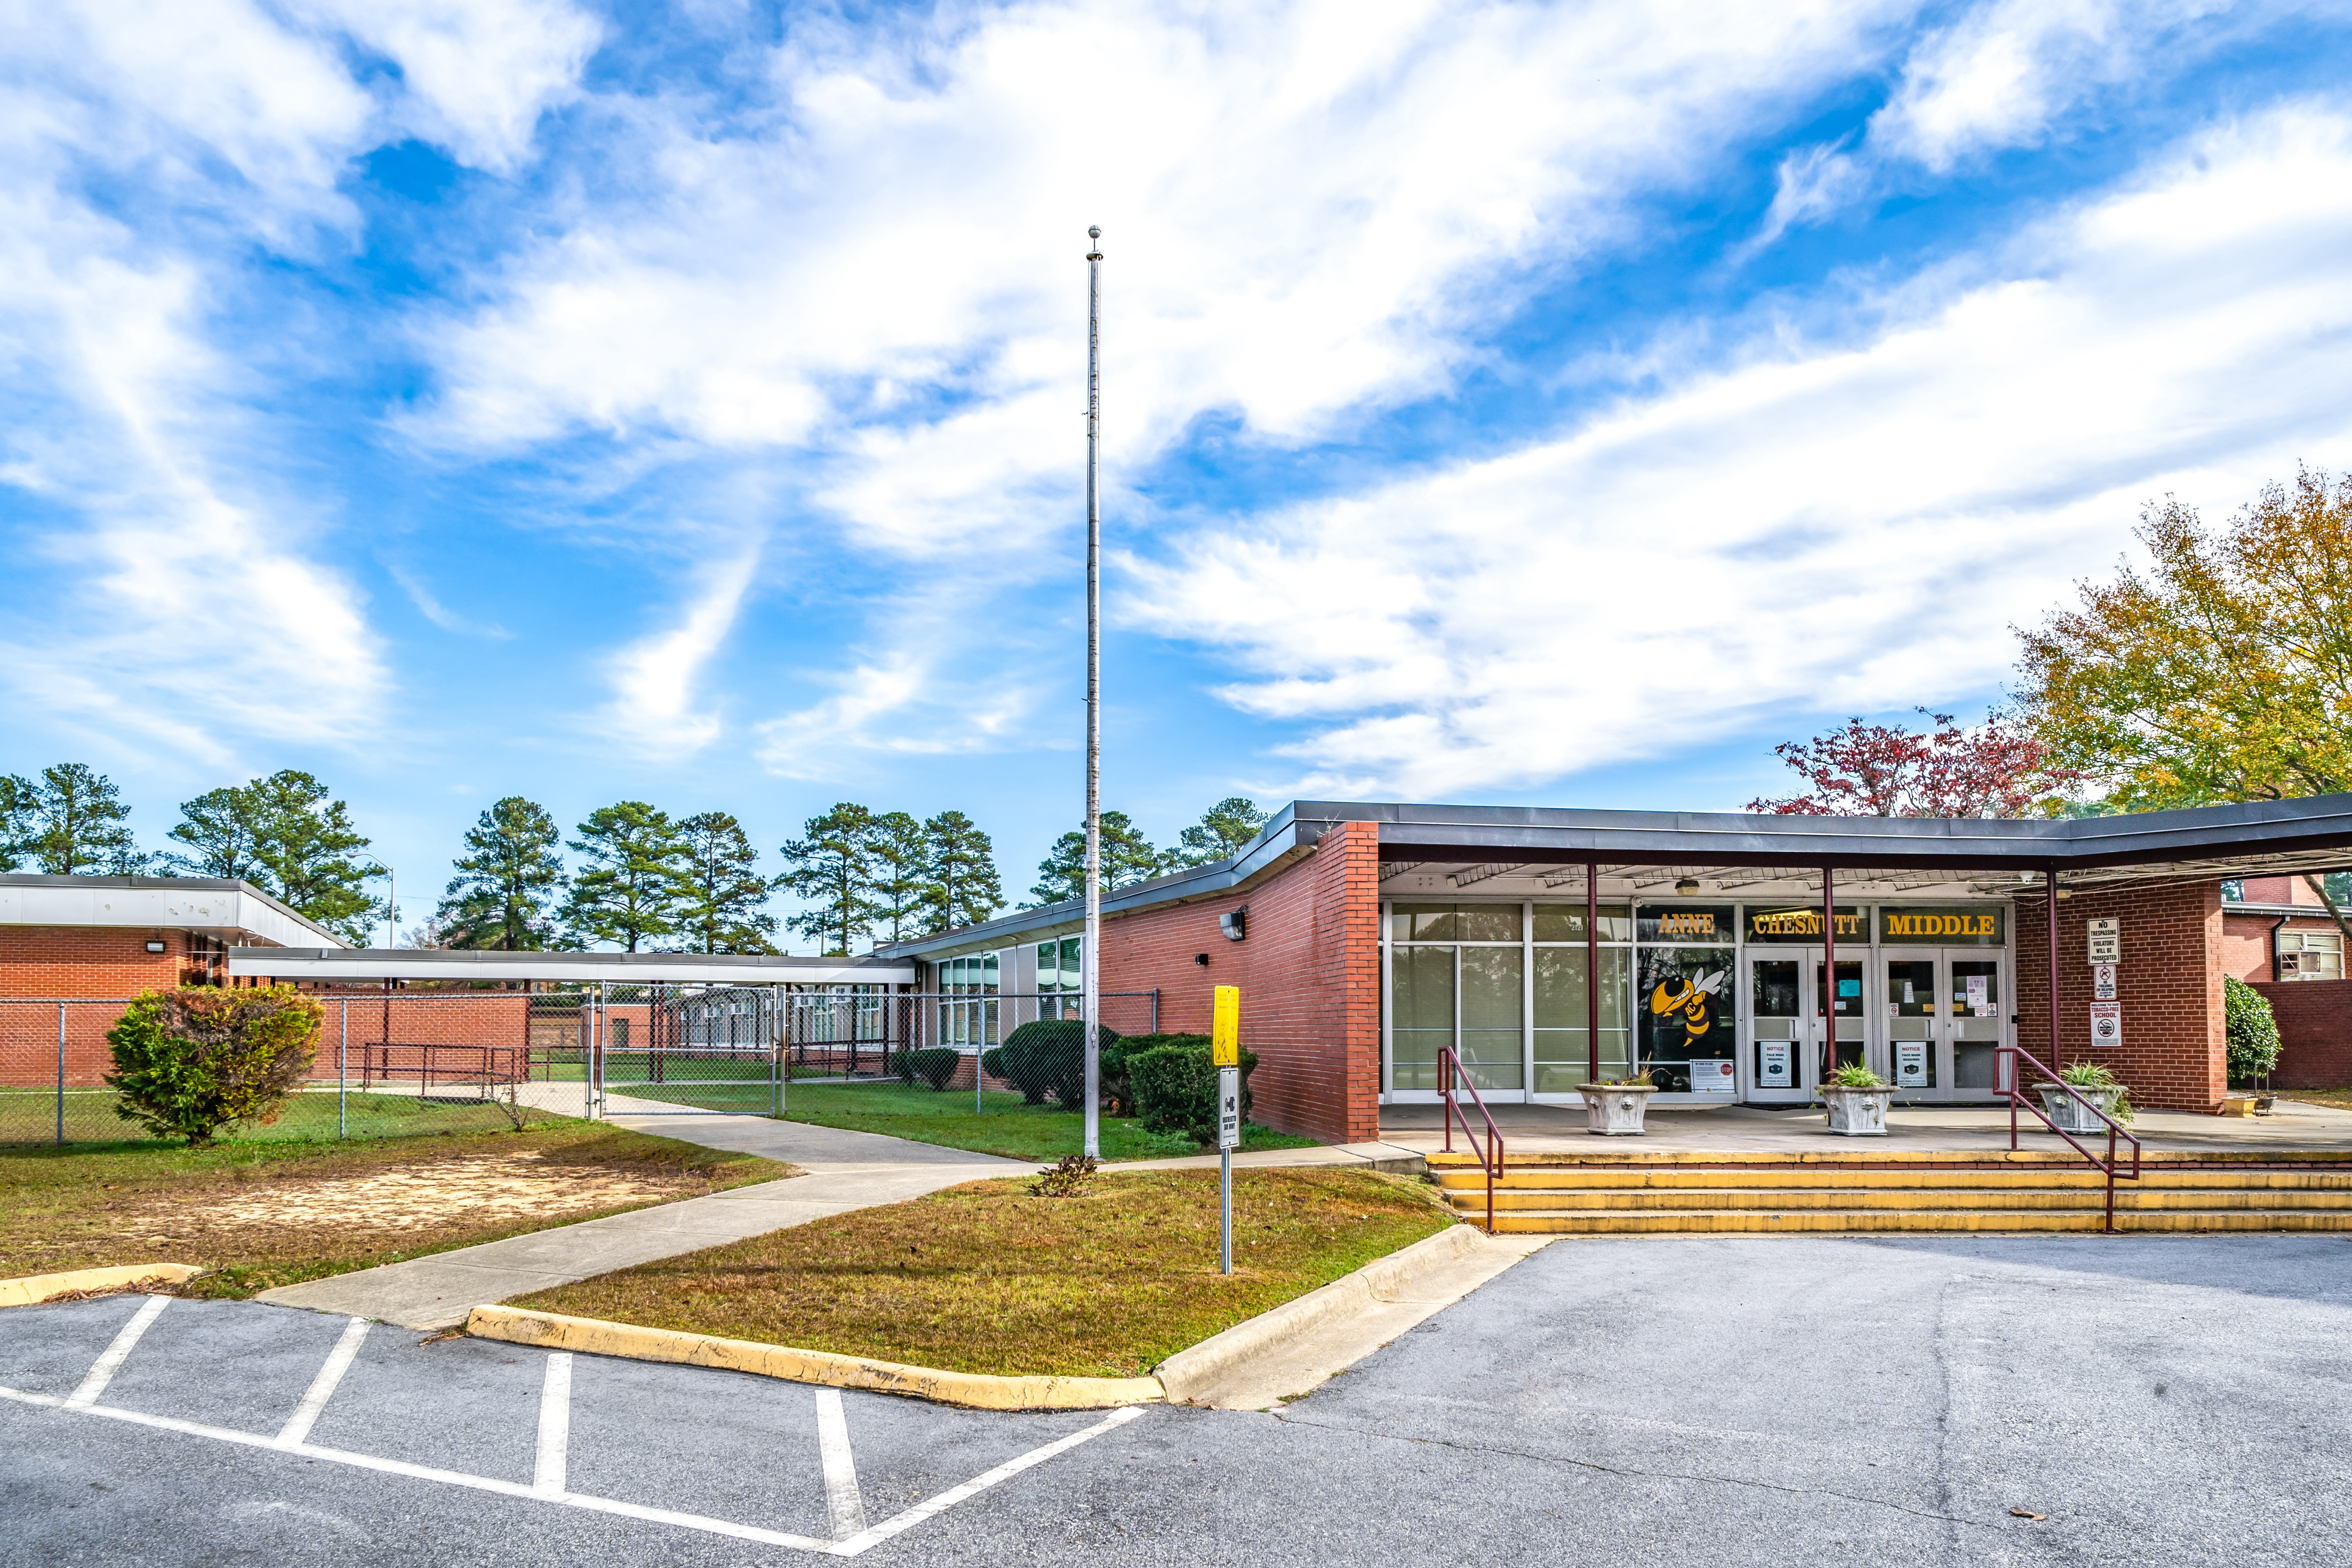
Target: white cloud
(193, 607)
(654, 679)
(1846, 530)
(1308, 210)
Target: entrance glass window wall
(1720, 1002)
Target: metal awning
(370, 964)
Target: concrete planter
(1857, 1112)
(1616, 1112)
(2068, 1113)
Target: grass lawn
(2341, 1099)
(985, 1277)
(273, 1213)
(30, 1116)
(1005, 1126)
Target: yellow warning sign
(1226, 1031)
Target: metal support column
(61, 1074)
(1593, 971)
(1829, 973)
(2050, 902)
(343, 1074)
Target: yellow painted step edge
(980, 1391)
(35, 1288)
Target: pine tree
(309, 855)
(16, 817)
(1128, 857)
(283, 835)
(218, 826)
(900, 857)
(833, 864)
(633, 884)
(960, 885)
(71, 824)
(726, 901)
(1223, 832)
(505, 892)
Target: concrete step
(1831, 1221)
(1455, 1179)
(2127, 1197)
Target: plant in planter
(1856, 1099)
(1613, 1108)
(2095, 1082)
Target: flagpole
(1090, 953)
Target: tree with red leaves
(1943, 770)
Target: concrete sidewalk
(844, 1170)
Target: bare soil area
(268, 1215)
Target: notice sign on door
(2107, 940)
(2103, 983)
(1774, 1062)
(1979, 995)
(2107, 1024)
(1712, 1077)
(1911, 1063)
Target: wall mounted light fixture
(1235, 925)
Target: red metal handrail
(1490, 1160)
(2011, 1081)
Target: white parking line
(843, 1507)
(873, 1535)
(297, 1430)
(102, 1371)
(554, 1426)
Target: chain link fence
(397, 1062)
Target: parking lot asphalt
(1659, 1400)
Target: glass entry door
(1782, 1062)
(1946, 1016)
(1850, 1012)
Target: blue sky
(1504, 403)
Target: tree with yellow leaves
(2222, 674)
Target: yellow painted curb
(980, 1391)
(35, 1287)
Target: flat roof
(619, 968)
(1460, 846)
(176, 903)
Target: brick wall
(1309, 974)
(2315, 1020)
(2169, 984)
(93, 960)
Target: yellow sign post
(1225, 1054)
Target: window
(1060, 973)
(1457, 977)
(968, 1008)
(2310, 956)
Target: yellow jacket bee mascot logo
(1694, 1000)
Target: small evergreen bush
(935, 1065)
(1047, 1058)
(1118, 1084)
(1176, 1087)
(2251, 1028)
(189, 1062)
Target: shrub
(1118, 1084)
(1047, 1057)
(188, 1062)
(2252, 1031)
(1854, 1075)
(935, 1065)
(1176, 1088)
(2095, 1075)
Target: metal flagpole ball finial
(1094, 233)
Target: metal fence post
(343, 1075)
(61, 1073)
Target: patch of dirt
(481, 1190)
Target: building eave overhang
(370, 964)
